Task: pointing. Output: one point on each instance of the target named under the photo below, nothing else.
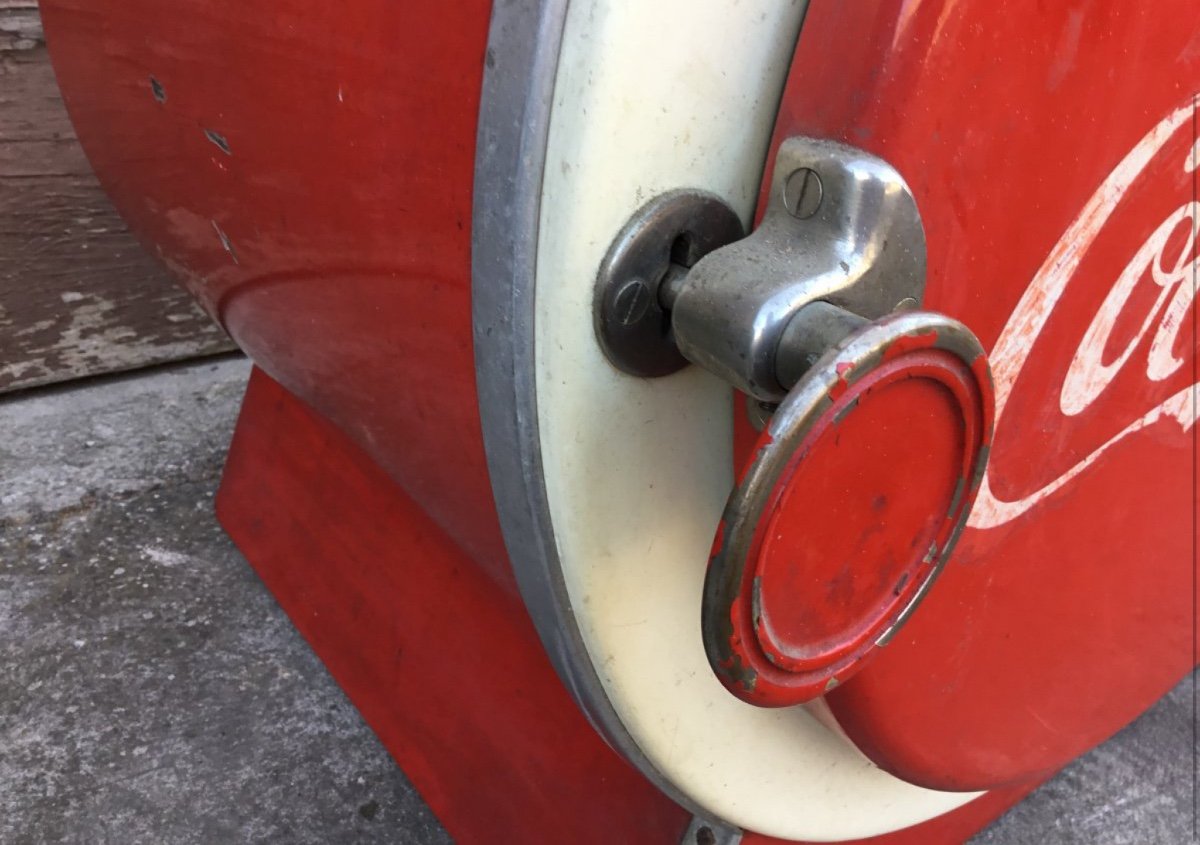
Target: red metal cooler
(761, 419)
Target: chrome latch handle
(851, 505)
(680, 284)
(863, 479)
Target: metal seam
(520, 69)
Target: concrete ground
(152, 692)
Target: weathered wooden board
(78, 295)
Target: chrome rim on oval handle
(877, 416)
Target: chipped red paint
(909, 343)
(845, 370)
(790, 639)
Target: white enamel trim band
(651, 97)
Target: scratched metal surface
(152, 692)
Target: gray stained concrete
(152, 692)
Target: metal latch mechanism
(864, 478)
(680, 283)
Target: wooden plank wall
(78, 295)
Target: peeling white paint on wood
(20, 25)
(78, 295)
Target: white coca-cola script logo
(1088, 375)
